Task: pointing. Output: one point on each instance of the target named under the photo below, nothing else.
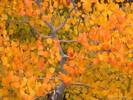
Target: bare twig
(42, 78)
(38, 3)
(50, 25)
(45, 37)
(47, 23)
(80, 84)
(68, 41)
(66, 18)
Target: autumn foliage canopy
(66, 49)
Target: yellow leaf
(52, 70)
(49, 41)
(86, 5)
(4, 60)
(119, 0)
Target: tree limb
(45, 37)
(80, 84)
(68, 41)
(50, 26)
(58, 92)
(66, 18)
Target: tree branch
(38, 3)
(50, 26)
(47, 23)
(58, 92)
(80, 84)
(45, 37)
(66, 18)
(68, 41)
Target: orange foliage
(35, 56)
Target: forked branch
(66, 18)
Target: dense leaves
(82, 49)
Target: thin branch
(45, 37)
(50, 25)
(47, 23)
(42, 78)
(38, 3)
(66, 18)
(80, 84)
(68, 41)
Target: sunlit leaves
(66, 78)
(31, 57)
(86, 5)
